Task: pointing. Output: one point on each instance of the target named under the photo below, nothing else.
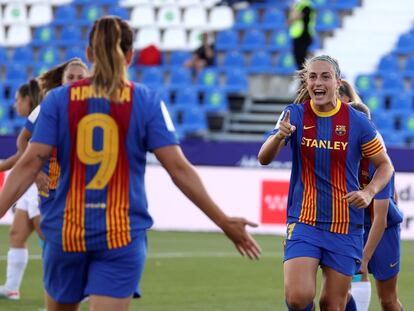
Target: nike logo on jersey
(307, 127)
(392, 265)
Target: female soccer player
(325, 216)
(27, 215)
(102, 128)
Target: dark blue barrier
(223, 153)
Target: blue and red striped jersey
(327, 148)
(101, 147)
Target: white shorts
(29, 202)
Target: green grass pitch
(199, 272)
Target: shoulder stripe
(372, 148)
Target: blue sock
(351, 306)
(308, 308)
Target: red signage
(274, 202)
(1, 180)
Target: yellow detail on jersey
(290, 230)
(84, 92)
(107, 157)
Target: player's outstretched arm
(22, 141)
(23, 174)
(188, 181)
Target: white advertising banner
(258, 194)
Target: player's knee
(16, 238)
(331, 304)
(299, 299)
(389, 303)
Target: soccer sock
(308, 308)
(361, 291)
(351, 306)
(17, 259)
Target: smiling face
(322, 85)
(74, 72)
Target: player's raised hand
(285, 127)
(235, 229)
(359, 199)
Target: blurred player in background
(102, 128)
(325, 215)
(382, 220)
(27, 216)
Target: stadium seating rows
(37, 34)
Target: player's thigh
(335, 286)
(104, 303)
(21, 228)
(387, 290)
(300, 277)
(53, 305)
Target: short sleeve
(160, 127)
(31, 119)
(370, 143)
(46, 128)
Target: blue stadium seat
(247, 18)
(194, 121)
(392, 83)
(44, 36)
(227, 40)
(316, 43)
(345, 4)
(253, 39)
(215, 100)
(179, 78)
(16, 73)
(402, 103)
(71, 36)
(90, 13)
(208, 78)
(186, 97)
(65, 15)
(374, 100)
(388, 64)
(407, 122)
(384, 120)
(279, 41)
(405, 44)
(118, 11)
(178, 58)
(321, 4)
(260, 63)
(7, 128)
(285, 64)
(408, 70)
(236, 81)
(326, 20)
(75, 51)
(153, 77)
(23, 55)
(49, 56)
(4, 59)
(233, 59)
(393, 138)
(273, 18)
(365, 83)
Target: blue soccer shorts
(69, 277)
(385, 261)
(338, 251)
